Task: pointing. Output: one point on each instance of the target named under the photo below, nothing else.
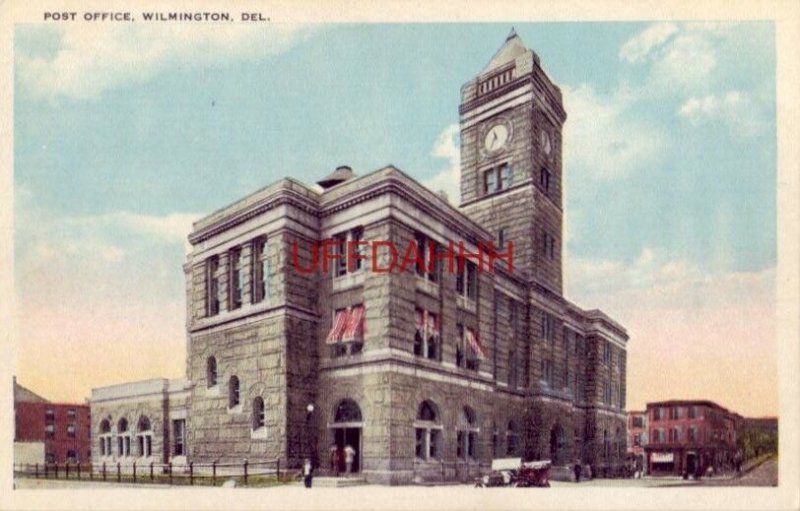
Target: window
(348, 329)
(547, 371)
(544, 180)
(105, 438)
(468, 348)
(513, 377)
(50, 430)
(234, 278)
(123, 438)
(71, 430)
(211, 371)
(347, 246)
(49, 415)
(467, 280)
(498, 178)
(501, 238)
(548, 327)
(259, 270)
(212, 286)
(692, 434)
(430, 264)
(71, 414)
(637, 440)
(512, 435)
(427, 431)
(144, 436)
(607, 354)
(467, 434)
(607, 393)
(258, 413)
(692, 412)
(50, 457)
(179, 437)
(427, 338)
(233, 392)
(638, 422)
(548, 246)
(72, 456)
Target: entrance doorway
(344, 437)
(346, 432)
(691, 463)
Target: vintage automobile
(517, 473)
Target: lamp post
(310, 448)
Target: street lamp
(310, 448)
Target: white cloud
(604, 138)
(447, 180)
(737, 109)
(686, 64)
(642, 44)
(689, 330)
(95, 58)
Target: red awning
(355, 324)
(339, 322)
(472, 339)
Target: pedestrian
(577, 469)
(349, 456)
(308, 472)
(334, 455)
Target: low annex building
(427, 372)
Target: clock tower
(511, 172)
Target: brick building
(637, 440)
(428, 372)
(46, 432)
(688, 436)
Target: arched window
(512, 435)
(348, 411)
(233, 392)
(258, 413)
(123, 438)
(467, 434)
(144, 437)
(105, 438)
(428, 431)
(211, 371)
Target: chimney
(338, 176)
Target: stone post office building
(426, 371)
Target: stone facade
(139, 422)
(427, 373)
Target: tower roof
(511, 49)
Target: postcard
(351, 256)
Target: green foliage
(755, 442)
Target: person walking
(349, 457)
(334, 455)
(308, 473)
(577, 469)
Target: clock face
(546, 145)
(496, 137)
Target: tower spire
(511, 34)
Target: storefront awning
(662, 457)
(339, 322)
(354, 328)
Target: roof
(511, 49)
(23, 394)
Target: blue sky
(123, 137)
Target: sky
(125, 134)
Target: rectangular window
(179, 437)
(50, 430)
(349, 251)
(212, 286)
(71, 415)
(548, 245)
(637, 440)
(544, 180)
(234, 278)
(341, 254)
(259, 270)
(498, 178)
(607, 353)
(548, 327)
(467, 280)
(71, 430)
(547, 371)
(430, 265)
(49, 415)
